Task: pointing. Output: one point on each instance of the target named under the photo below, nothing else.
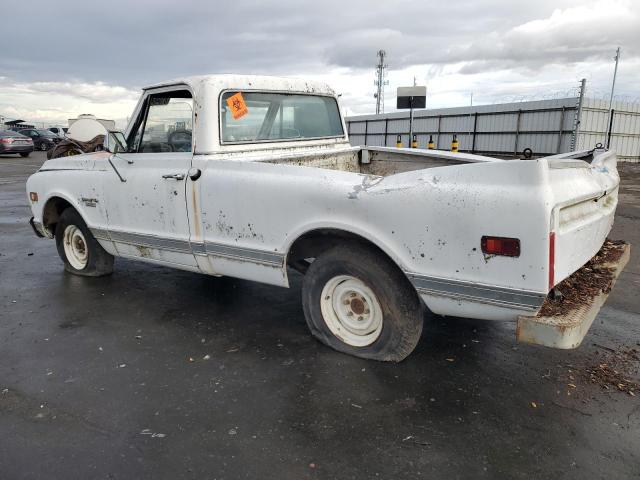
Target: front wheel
(78, 248)
(25, 154)
(357, 301)
(43, 147)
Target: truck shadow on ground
(250, 314)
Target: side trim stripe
(198, 248)
(151, 241)
(502, 296)
(259, 256)
(101, 234)
(272, 259)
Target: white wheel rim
(75, 247)
(351, 311)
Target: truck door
(146, 201)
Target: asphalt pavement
(163, 374)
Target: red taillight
(552, 258)
(6, 140)
(508, 247)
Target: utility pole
(615, 73)
(613, 86)
(576, 118)
(380, 81)
(470, 115)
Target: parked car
(42, 139)
(254, 177)
(59, 131)
(14, 142)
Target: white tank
(86, 127)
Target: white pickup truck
(253, 177)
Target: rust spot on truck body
(197, 230)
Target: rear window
(251, 117)
(10, 133)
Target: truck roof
(233, 81)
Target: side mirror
(114, 142)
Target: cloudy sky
(65, 57)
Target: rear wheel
(358, 302)
(78, 248)
(25, 154)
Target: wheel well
(52, 211)
(313, 243)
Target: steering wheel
(180, 140)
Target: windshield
(249, 117)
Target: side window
(167, 126)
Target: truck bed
(560, 207)
(381, 161)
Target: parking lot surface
(157, 373)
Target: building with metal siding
(545, 126)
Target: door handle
(175, 176)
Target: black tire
(98, 262)
(43, 147)
(402, 310)
(25, 154)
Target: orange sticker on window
(238, 107)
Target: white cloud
(56, 102)
(572, 35)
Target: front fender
(46, 209)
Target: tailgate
(585, 196)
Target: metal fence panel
(398, 126)
(539, 143)
(376, 127)
(497, 123)
(356, 127)
(496, 142)
(425, 124)
(545, 126)
(457, 124)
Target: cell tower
(380, 81)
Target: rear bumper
(16, 148)
(563, 323)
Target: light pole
(613, 87)
(615, 73)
